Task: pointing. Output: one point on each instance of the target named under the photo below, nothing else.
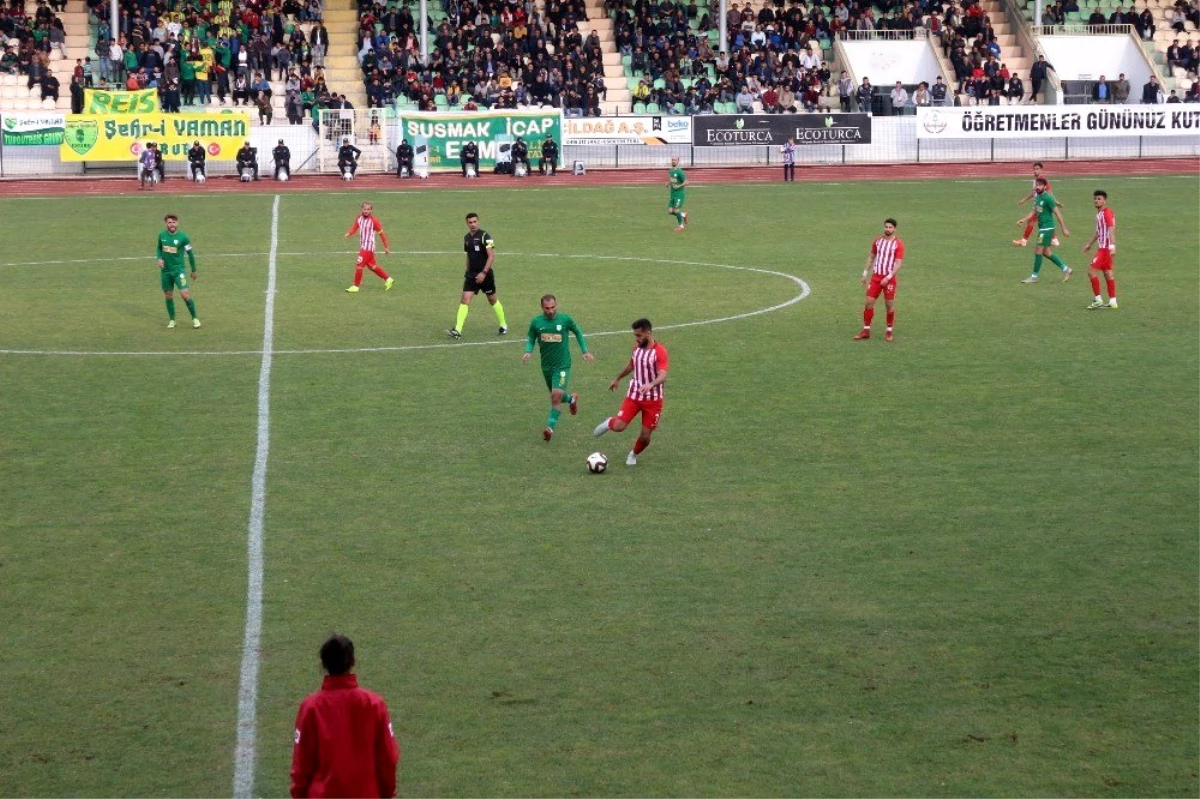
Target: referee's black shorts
(488, 286)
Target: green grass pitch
(961, 564)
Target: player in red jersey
(1037, 173)
(648, 365)
(366, 225)
(883, 264)
(1106, 247)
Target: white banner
(1057, 121)
(33, 128)
(656, 130)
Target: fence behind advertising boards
(29, 145)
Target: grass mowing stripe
(243, 774)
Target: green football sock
(555, 412)
(171, 308)
(1058, 262)
(499, 309)
(679, 217)
(1037, 264)
(191, 304)
(462, 316)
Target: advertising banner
(650, 130)
(448, 132)
(96, 101)
(739, 130)
(115, 138)
(1023, 122)
(32, 129)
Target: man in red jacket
(344, 741)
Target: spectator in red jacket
(344, 740)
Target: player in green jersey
(1045, 211)
(551, 331)
(677, 182)
(172, 244)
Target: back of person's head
(337, 655)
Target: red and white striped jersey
(1106, 223)
(887, 252)
(648, 363)
(366, 227)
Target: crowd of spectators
(196, 50)
(189, 51)
(27, 43)
(484, 54)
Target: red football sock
(379, 271)
(1095, 285)
(868, 315)
(611, 419)
(358, 275)
(891, 318)
(1028, 231)
(638, 446)
(1112, 287)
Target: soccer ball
(199, 177)
(347, 176)
(244, 177)
(597, 462)
(281, 176)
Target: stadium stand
(1169, 31)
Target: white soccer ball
(597, 462)
(200, 177)
(244, 177)
(281, 176)
(347, 176)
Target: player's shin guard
(171, 308)
(1095, 281)
(191, 306)
(499, 309)
(891, 319)
(358, 270)
(868, 315)
(1028, 231)
(552, 419)
(462, 316)
(1112, 288)
(1037, 264)
(1058, 262)
(639, 446)
(379, 271)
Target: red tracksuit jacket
(345, 746)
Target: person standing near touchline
(344, 742)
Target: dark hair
(1100, 193)
(1038, 164)
(173, 216)
(337, 655)
(1042, 182)
(472, 214)
(549, 297)
(642, 324)
(892, 222)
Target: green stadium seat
(678, 108)
(632, 83)
(639, 108)
(626, 60)
(660, 83)
(652, 108)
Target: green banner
(96, 101)
(32, 129)
(448, 132)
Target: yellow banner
(101, 102)
(113, 138)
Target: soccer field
(961, 564)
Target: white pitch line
(247, 723)
(805, 291)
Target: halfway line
(244, 754)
